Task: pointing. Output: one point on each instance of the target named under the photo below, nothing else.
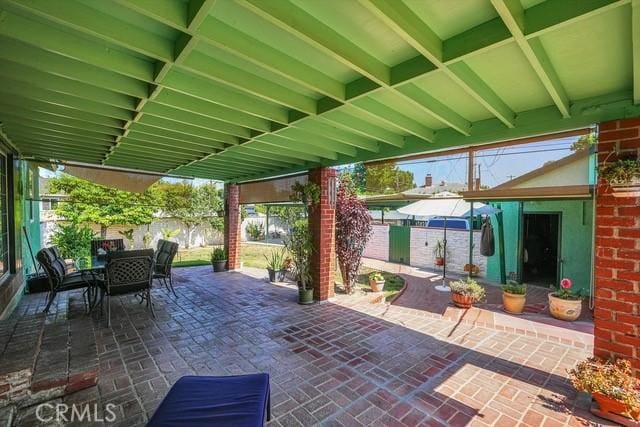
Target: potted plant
(513, 297)
(564, 304)
(376, 281)
(438, 252)
(465, 293)
(300, 243)
(219, 259)
(300, 246)
(472, 269)
(623, 176)
(611, 384)
(275, 265)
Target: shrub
(73, 240)
(468, 287)
(255, 230)
(353, 228)
(300, 246)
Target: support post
(266, 231)
(232, 223)
(501, 251)
(617, 252)
(322, 227)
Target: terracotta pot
(612, 406)
(462, 301)
(376, 285)
(513, 303)
(564, 309)
(440, 261)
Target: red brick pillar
(322, 226)
(617, 278)
(232, 223)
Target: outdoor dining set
(112, 271)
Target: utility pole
(470, 170)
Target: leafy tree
(353, 228)
(358, 176)
(93, 203)
(584, 142)
(387, 178)
(189, 204)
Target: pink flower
(566, 283)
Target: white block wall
(378, 244)
(457, 249)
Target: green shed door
(399, 247)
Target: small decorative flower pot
(564, 309)
(281, 275)
(439, 261)
(630, 189)
(376, 285)
(272, 274)
(611, 406)
(462, 301)
(219, 266)
(513, 303)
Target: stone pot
(564, 309)
(513, 303)
(219, 266)
(376, 285)
(462, 301)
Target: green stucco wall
(576, 238)
(30, 211)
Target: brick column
(322, 226)
(232, 223)
(617, 278)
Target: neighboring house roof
(418, 193)
(564, 178)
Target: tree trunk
(103, 231)
(187, 244)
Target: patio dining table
(92, 273)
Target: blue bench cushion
(215, 401)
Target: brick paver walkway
(333, 364)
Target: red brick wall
(232, 225)
(617, 279)
(322, 226)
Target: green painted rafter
(635, 40)
(513, 15)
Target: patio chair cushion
(215, 401)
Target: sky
(496, 166)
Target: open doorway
(541, 248)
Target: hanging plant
(623, 176)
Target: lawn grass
(392, 286)
(252, 255)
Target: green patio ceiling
(245, 89)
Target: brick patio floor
(336, 363)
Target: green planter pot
(219, 266)
(305, 296)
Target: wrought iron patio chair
(129, 272)
(164, 255)
(60, 278)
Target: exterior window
(4, 219)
